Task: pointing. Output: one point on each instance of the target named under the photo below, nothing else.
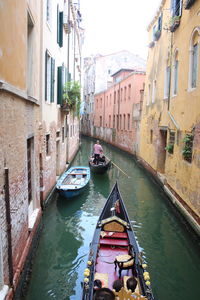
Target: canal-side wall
(170, 122)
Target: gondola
(102, 166)
(114, 254)
(73, 181)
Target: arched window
(175, 74)
(193, 58)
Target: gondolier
(98, 150)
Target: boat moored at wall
(73, 181)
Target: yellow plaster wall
(13, 37)
(183, 177)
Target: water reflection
(166, 245)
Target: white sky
(115, 25)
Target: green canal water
(168, 246)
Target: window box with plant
(170, 148)
(188, 146)
(174, 23)
(72, 96)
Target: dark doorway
(161, 150)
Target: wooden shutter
(52, 78)
(61, 29)
(60, 85)
(58, 22)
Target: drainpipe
(9, 226)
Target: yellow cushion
(123, 258)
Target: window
(121, 94)
(114, 121)
(154, 91)
(59, 27)
(63, 134)
(128, 125)
(109, 121)
(176, 7)
(124, 122)
(100, 121)
(101, 103)
(193, 59)
(114, 97)
(49, 77)
(110, 98)
(194, 66)
(97, 103)
(167, 82)
(60, 84)
(47, 144)
(151, 136)
(120, 122)
(30, 55)
(188, 147)
(175, 74)
(149, 94)
(125, 93)
(129, 91)
(48, 11)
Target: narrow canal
(169, 248)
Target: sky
(114, 25)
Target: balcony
(188, 3)
(174, 23)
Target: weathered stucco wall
(177, 112)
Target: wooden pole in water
(117, 166)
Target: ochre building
(170, 124)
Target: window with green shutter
(60, 85)
(52, 78)
(59, 27)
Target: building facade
(61, 63)
(170, 117)
(97, 73)
(40, 50)
(20, 115)
(118, 110)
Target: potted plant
(188, 145)
(170, 148)
(174, 23)
(72, 96)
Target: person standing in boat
(98, 150)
